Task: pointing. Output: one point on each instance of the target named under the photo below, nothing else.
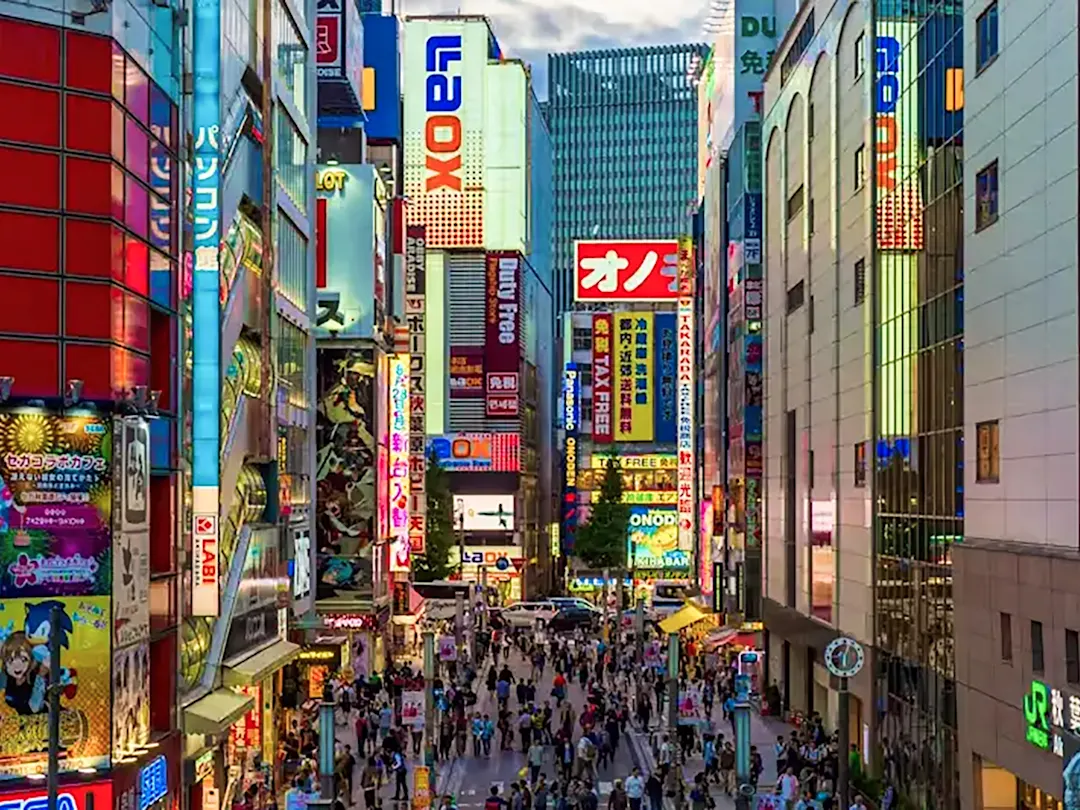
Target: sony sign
(443, 97)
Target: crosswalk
(472, 797)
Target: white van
(527, 614)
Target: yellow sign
(317, 655)
(571, 462)
(330, 180)
(421, 788)
(651, 461)
(633, 376)
(648, 497)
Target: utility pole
(326, 744)
(54, 689)
(459, 618)
(744, 788)
(843, 769)
(429, 703)
(673, 683)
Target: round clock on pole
(844, 657)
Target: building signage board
(625, 270)
(399, 463)
(466, 372)
(571, 416)
(653, 539)
(205, 564)
(416, 318)
(477, 452)
(339, 57)
(633, 383)
(602, 378)
(664, 356)
(752, 227)
(75, 796)
(1050, 715)
(650, 461)
(484, 513)
(685, 393)
(381, 79)
(502, 337)
(131, 531)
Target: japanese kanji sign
(633, 376)
(665, 328)
(602, 336)
(398, 478)
(626, 270)
(685, 393)
(415, 307)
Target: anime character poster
(84, 629)
(131, 699)
(131, 531)
(346, 477)
(55, 505)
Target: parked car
(528, 614)
(575, 601)
(571, 617)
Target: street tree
(434, 563)
(601, 542)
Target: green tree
(434, 563)
(601, 543)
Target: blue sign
(206, 189)
(752, 227)
(382, 114)
(665, 354)
(153, 782)
(571, 418)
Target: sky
(531, 29)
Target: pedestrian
(727, 769)
(516, 800)
(536, 760)
(477, 728)
(635, 788)
(618, 798)
(789, 787)
(401, 784)
(486, 734)
(541, 794)
(667, 757)
(494, 801)
(369, 782)
(417, 730)
(654, 790)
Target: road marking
(604, 787)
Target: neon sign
(899, 201)
(684, 331)
(442, 130)
(399, 462)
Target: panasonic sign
(443, 97)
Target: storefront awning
(253, 670)
(729, 635)
(683, 617)
(216, 712)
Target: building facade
(863, 138)
(1016, 625)
(620, 121)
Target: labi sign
(1048, 714)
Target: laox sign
(442, 130)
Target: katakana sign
(625, 270)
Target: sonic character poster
(84, 629)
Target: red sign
(466, 372)
(71, 797)
(328, 40)
(625, 270)
(502, 337)
(602, 430)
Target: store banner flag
(633, 377)
(131, 531)
(665, 356)
(448, 648)
(602, 378)
(412, 709)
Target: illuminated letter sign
(330, 180)
(399, 462)
(684, 420)
(571, 419)
(442, 131)
(899, 200)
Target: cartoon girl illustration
(21, 674)
(8, 503)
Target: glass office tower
(624, 147)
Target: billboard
(625, 270)
(687, 467)
(502, 335)
(130, 699)
(345, 470)
(339, 57)
(84, 631)
(444, 66)
(466, 372)
(648, 461)
(477, 452)
(55, 504)
(602, 379)
(131, 531)
(571, 418)
(664, 352)
(899, 199)
(506, 151)
(399, 462)
(497, 558)
(346, 251)
(416, 318)
(381, 79)
(484, 513)
(74, 796)
(633, 345)
(652, 539)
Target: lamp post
(326, 744)
(745, 790)
(429, 702)
(673, 682)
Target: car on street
(529, 614)
(575, 601)
(571, 617)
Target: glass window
(1038, 658)
(292, 262)
(292, 362)
(292, 161)
(986, 37)
(290, 55)
(860, 55)
(986, 197)
(860, 167)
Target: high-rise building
(864, 406)
(1016, 617)
(624, 133)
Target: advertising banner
(652, 539)
(130, 699)
(477, 452)
(75, 796)
(495, 558)
(55, 504)
(625, 270)
(381, 85)
(131, 533)
(412, 709)
(665, 356)
(687, 468)
(399, 463)
(416, 318)
(447, 648)
(571, 420)
(633, 376)
(443, 64)
(339, 58)
(345, 471)
(502, 337)
(603, 333)
(85, 632)
(752, 227)
(484, 513)
(466, 372)
(347, 250)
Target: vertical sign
(328, 40)
(664, 357)
(415, 317)
(502, 337)
(685, 394)
(206, 314)
(602, 429)
(571, 416)
(399, 463)
(131, 531)
(633, 376)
